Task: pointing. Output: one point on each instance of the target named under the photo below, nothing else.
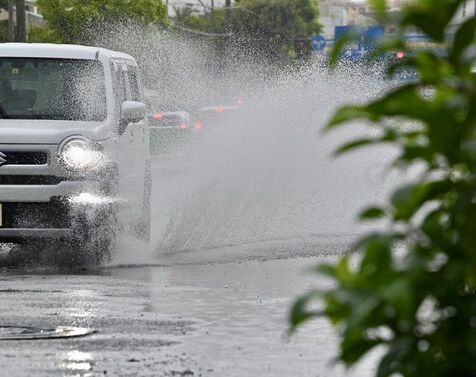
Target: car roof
(64, 51)
(176, 113)
(213, 109)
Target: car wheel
(94, 239)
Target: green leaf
(376, 262)
(343, 271)
(382, 238)
(435, 231)
(299, 312)
(391, 362)
(372, 213)
(404, 101)
(432, 68)
(347, 114)
(328, 270)
(430, 18)
(409, 199)
(398, 294)
(354, 145)
(464, 38)
(378, 5)
(339, 271)
(343, 40)
(354, 346)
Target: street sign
(318, 43)
(363, 44)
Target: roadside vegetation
(70, 21)
(272, 30)
(413, 290)
(275, 30)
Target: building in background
(468, 9)
(343, 13)
(197, 6)
(397, 4)
(33, 14)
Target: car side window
(134, 83)
(119, 85)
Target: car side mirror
(131, 112)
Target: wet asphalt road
(220, 312)
(216, 311)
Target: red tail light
(184, 125)
(157, 116)
(219, 109)
(198, 125)
(400, 55)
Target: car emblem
(3, 160)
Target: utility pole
(21, 20)
(212, 15)
(11, 22)
(228, 15)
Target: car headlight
(81, 154)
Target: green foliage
(76, 21)
(4, 31)
(3, 23)
(207, 23)
(419, 303)
(277, 29)
(43, 35)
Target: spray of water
(265, 172)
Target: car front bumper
(20, 234)
(48, 212)
(42, 199)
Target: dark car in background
(211, 116)
(170, 132)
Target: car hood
(15, 131)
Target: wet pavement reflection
(221, 315)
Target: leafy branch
(420, 303)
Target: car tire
(94, 239)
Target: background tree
(276, 29)
(418, 304)
(186, 17)
(20, 21)
(3, 23)
(74, 21)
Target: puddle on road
(37, 333)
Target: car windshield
(59, 89)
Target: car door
(127, 155)
(140, 131)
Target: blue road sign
(364, 43)
(318, 43)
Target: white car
(74, 146)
